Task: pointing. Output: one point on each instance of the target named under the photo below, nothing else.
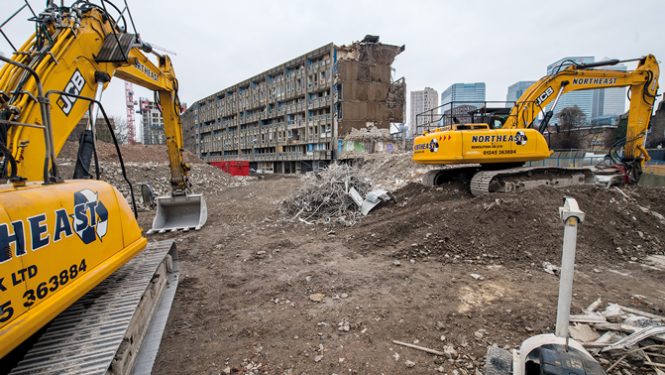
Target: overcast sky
(219, 43)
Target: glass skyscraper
(594, 103)
(582, 99)
(516, 90)
(464, 94)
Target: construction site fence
(587, 158)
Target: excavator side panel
(480, 146)
(57, 242)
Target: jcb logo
(545, 95)
(74, 87)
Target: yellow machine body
(55, 246)
(480, 145)
(516, 140)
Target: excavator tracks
(482, 182)
(454, 173)
(103, 332)
(526, 178)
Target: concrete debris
(551, 268)
(656, 261)
(479, 334)
(593, 306)
(316, 297)
(390, 171)
(204, 178)
(369, 133)
(605, 333)
(409, 364)
(373, 199)
(449, 351)
(476, 276)
(324, 196)
(635, 338)
(344, 326)
(583, 333)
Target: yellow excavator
(60, 238)
(493, 150)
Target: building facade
(581, 99)
(656, 134)
(594, 103)
(152, 123)
(464, 94)
(516, 90)
(421, 101)
(611, 101)
(293, 117)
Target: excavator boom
(60, 238)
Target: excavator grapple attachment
(179, 212)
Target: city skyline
(622, 32)
(421, 101)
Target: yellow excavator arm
(642, 83)
(60, 238)
(78, 56)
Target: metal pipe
(115, 140)
(571, 215)
(46, 120)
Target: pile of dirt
(206, 179)
(390, 171)
(130, 153)
(447, 225)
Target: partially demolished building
(294, 117)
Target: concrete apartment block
(293, 117)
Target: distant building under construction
(293, 117)
(152, 122)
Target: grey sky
(219, 43)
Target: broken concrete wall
(189, 130)
(368, 93)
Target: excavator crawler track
(526, 178)
(456, 173)
(103, 332)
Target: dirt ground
(437, 268)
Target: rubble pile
(369, 133)
(138, 153)
(391, 171)
(623, 338)
(324, 196)
(204, 178)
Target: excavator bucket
(183, 212)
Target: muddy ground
(403, 273)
